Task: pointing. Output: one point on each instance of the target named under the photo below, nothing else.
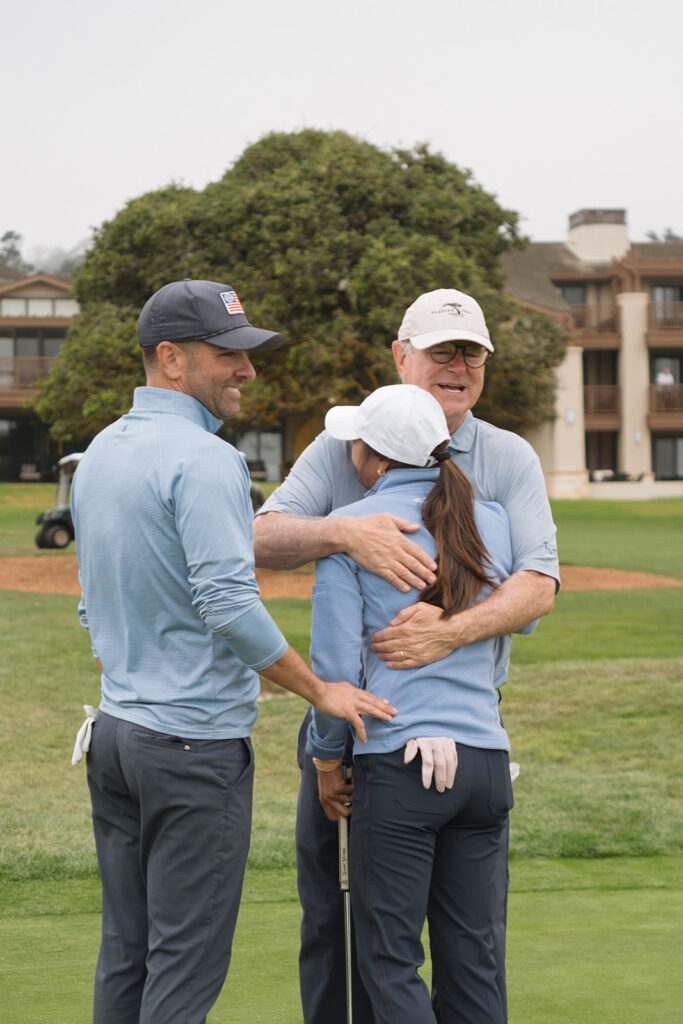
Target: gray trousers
(419, 854)
(172, 820)
(321, 956)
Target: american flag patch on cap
(231, 302)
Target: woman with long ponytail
(448, 514)
(419, 848)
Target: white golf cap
(401, 422)
(444, 315)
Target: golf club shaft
(349, 965)
(344, 885)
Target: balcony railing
(602, 399)
(20, 373)
(666, 316)
(592, 317)
(666, 397)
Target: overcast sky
(552, 106)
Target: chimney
(598, 236)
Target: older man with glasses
(442, 346)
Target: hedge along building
(618, 430)
(35, 314)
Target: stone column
(634, 449)
(561, 445)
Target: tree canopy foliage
(668, 235)
(91, 382)
(10, 252)
(327, 239)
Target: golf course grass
(590, 942)
(593, 708)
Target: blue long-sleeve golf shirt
(455, 696)
(164, 537)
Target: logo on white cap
(444, 315)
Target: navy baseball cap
(200, 311)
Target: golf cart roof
(67, 459)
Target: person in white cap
(163, 525)
(450, 840)
(442, 346)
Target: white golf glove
(439, 759)
(84, 733)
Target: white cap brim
(341, 422)
(400, 421)
(422, 341)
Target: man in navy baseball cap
(200, 311)
(195, 338)
(164, 535)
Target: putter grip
(343, 854)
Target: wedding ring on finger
(403, 657)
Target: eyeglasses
(473, 354)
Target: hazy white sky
(553, 106)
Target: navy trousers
(172, 819)
(419, 854)
(321, 957)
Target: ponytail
(448, 514)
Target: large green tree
(328, 239)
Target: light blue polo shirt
(164, 536)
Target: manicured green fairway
(642, 536)
(593, 706)
(594, 941)
(602, 957)
(19, 506)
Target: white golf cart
(56, 525)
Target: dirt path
(57, 573)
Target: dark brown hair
(462, 558)
(150, 354)
(150, 358)
(448, 514)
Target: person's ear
(382, 466)
(171, 359)
(400, 357)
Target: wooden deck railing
(20, 373)
(602, 399)
(601, 317)
(666, 397)
(666, 316)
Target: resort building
(618, 430)
(35, 313)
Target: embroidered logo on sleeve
(232, 302)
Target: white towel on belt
(84, 734)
